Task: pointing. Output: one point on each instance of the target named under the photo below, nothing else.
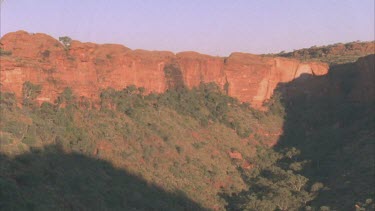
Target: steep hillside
(188, 141)
(52, 179)
(198, 148)
(330, 122)
(102, 127)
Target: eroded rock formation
(87, 68)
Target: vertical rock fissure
(295, 72)
(173, 75)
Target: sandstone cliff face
(197, 68)
(87, 68)
(253, 79)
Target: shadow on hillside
(334, 132)
(51, 179)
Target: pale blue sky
(215, 27)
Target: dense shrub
(46, 54)
(273, 184)
(5, 53)
(7, 100)
(30, 92)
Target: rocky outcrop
(87, 68)
(235, 155)
(252, 78)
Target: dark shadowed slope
(331, 120)
(325, 157)
(51, 179)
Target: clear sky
(215, 27)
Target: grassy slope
(166, 146)
(332, 54)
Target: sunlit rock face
(253, 78)
(88, 68)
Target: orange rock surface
(235, 155)
(87, 68)
(253, 78)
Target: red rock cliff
(87, 68)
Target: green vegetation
(5, 53)
(338, 53)
(332, 137)
(336, 134)
(275, 183)
(205, 103)
(108, 56)
(65, 41)
(46, 54)
(30, 92)
(176, 140)
(7, 100)
(173, 76)
(51, 179)
(172, 151)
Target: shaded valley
(329, 131)
(48, 178)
